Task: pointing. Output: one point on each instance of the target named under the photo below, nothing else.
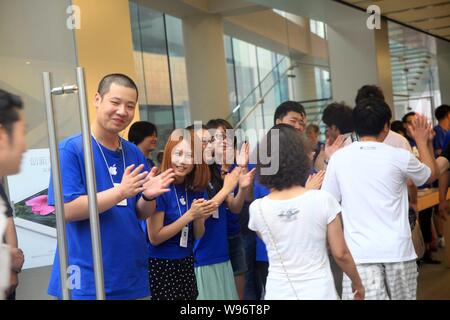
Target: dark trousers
(252, 285)
(425, 217)
(11, 297)
(262, 271)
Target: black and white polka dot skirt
(172, 279)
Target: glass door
(37, 37)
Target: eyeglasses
(222, 137)
(206, 140)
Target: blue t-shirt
(260, 191)
(150, 163)
(233, 224)
(317, 150)
(143, 223)
(411, 141)
(123, 243)
(212, 248)
(446, 140)
(174, 204)
(439, 138)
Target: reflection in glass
(414, 71)
(41, 42)
(161, 68)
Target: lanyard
(106, 162)
(176, 197)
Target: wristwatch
(148, 199)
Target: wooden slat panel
(388, 6)
(405, 11)
(442, 32)
(433, 24)
(420, 14)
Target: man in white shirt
(369, 178)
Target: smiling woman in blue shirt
(178, 221)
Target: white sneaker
(441, 242)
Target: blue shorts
(237, 254)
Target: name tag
(184, 237)
(122, 203)
(215, 214)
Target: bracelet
(147, 199)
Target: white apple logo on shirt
(113, 170)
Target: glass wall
(160, 65)
(255, 72)
(264, 73)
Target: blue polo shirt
(124, 253)
(174, 205)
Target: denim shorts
(237, 254)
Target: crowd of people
(205, 223)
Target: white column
(358, 55)
(206, 66)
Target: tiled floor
(434, 280)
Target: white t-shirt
(397, 141)
(299, 229)
(369, 179)
(393, 139)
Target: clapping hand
(231, 180)
(420, 130)
(201, 209)
(242, 156)
(246, 178)
(314, 181)
(156, 185)
(132, 181)
(330, 149)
